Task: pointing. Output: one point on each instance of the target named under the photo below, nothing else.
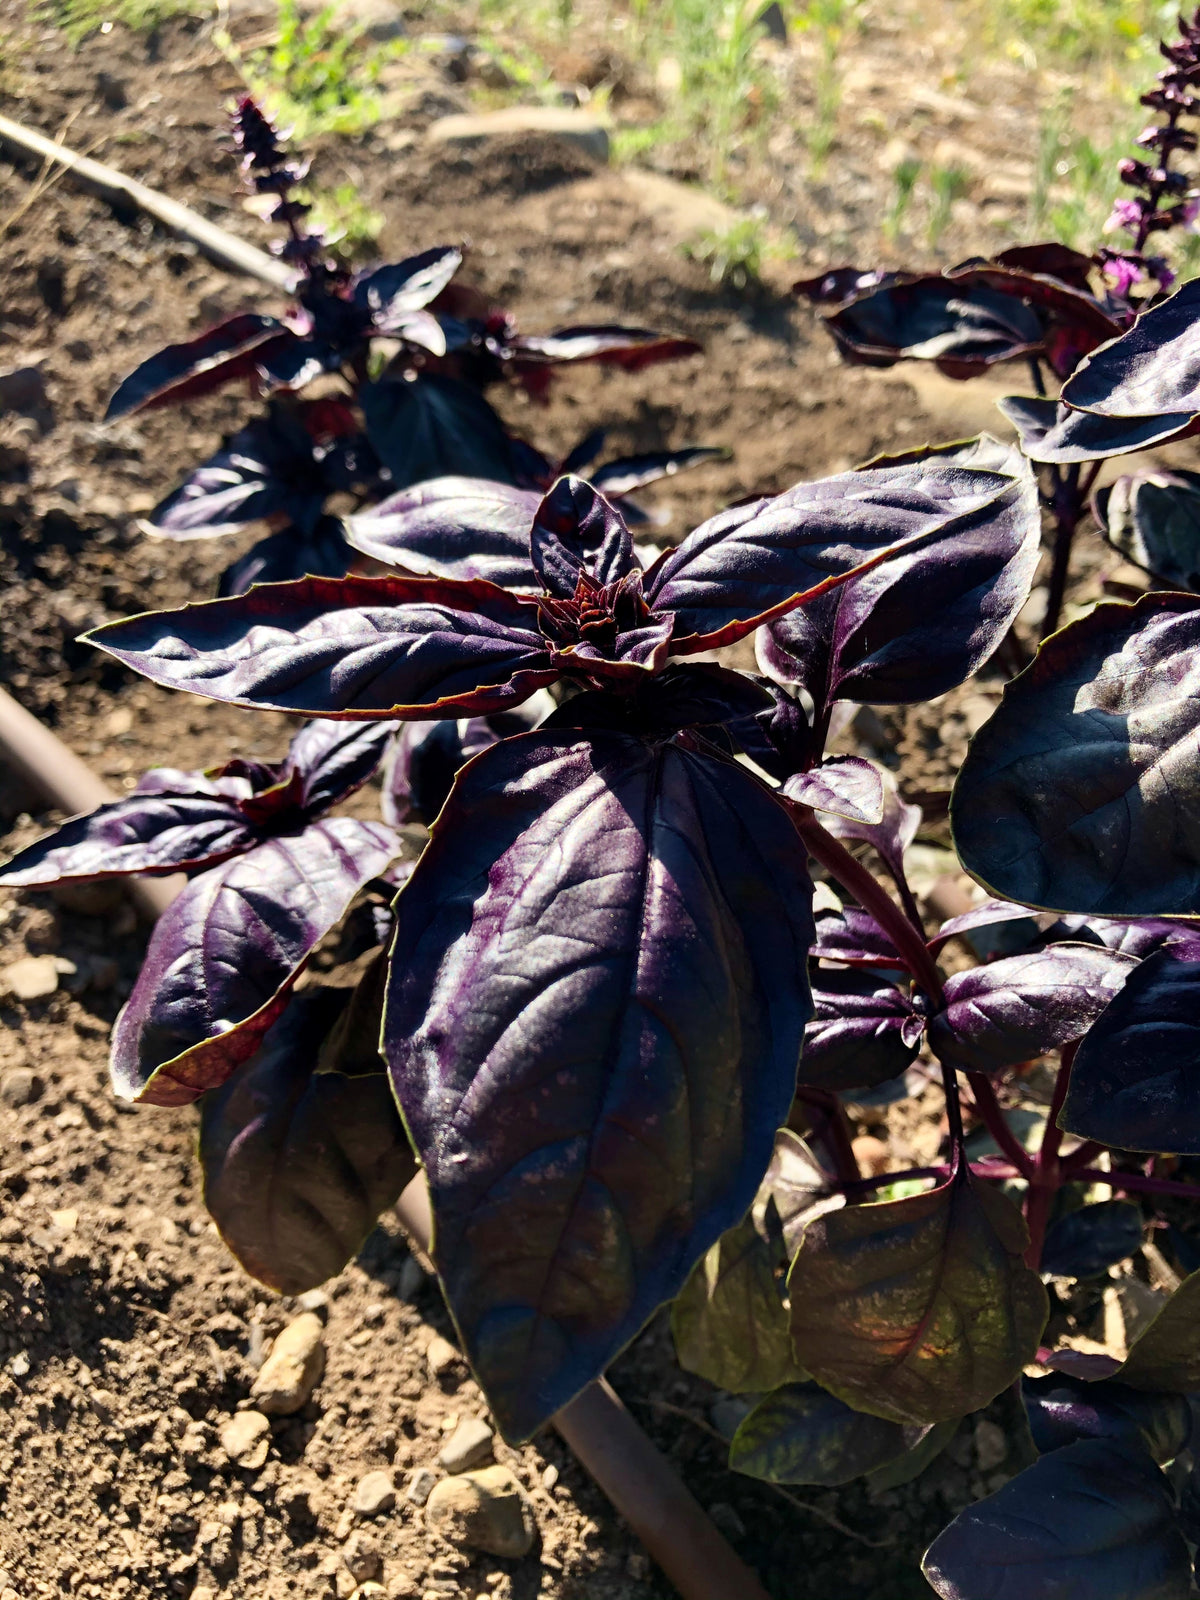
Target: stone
(361, 1557)
(579, 128)
(30, 978)
(316, 1301)
(293, 1369)
(403, 1586)
(470, 1445)
(441, 1356)
(871, 1154)
(486, 1510)
(374, 1494)
(20, 1087)
(419, 1485)
(246, 1439)
(991, 1447)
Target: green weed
(79, 19)
(904, 181)
(1076, 31)
(345, 218)
(948, 185)
(733, 255)
(832, 22)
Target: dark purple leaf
(1062, 1410)
(848, 785)
(1142, 936)
(303, 1148)
(1073, 796)
(729, 1321)
(426, 756)
(288, 555)
(237, 485)
(1085, 1243)
(1153, 519)
(595, 1014)
(351, 647)
(583, 454)
(1165, 1356)
(843, 284)
(801, 1434)
(780, 739)
(1052, 431)
(434, 427)
(863, 1032)
(1093, 1521)
(1152, 370)
(1017, 1009)
(453, 528)
(990, 914)
(799, 1188)
(922, 622)
(752, 564)
(143, 833)
(623, 476)
(183, 371)
(631, 349)
(854, 937)
(892, 835)
(224, 955)
(1134, 1077)
(335, 758)
(917, 1310)
(391, 293)
(290, 363)
(1051, 260)
(701, 695)
(575, 530)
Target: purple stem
(989, 1168)
(1135, 1182)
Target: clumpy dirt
(127, 1334)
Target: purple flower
(1125, 214)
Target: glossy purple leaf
(854, 937)
(1152, 370)
(892, 835)
(1142, 936)
(750, 565)
(848, 785)
(426, 755)
(352, 647)
(631, 349)
(1051, 431)
(780, 739)
(802, 1434)
(989, 914)
(183, 371)
(237, 485)
(1063, 1409)
(921, 1309)
(1018, 1008)
(142, 833)
(453, 528)
(1087, 1242)
(291, 362)
(1153, 519)
(924, 621)
(224, 955)
(576, 530)
(391, 293)
(595, 1014)
(303, 1149)
(843, 284)
(1133, 1083)
(1052, 260)
(1073, 797)
(1165, 1355)
(288, 555)
(863, 1032)
(623, 476)
(1093, 1521)
(697, 695)
(334, 759)
(434, 427)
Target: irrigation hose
(635, 1476)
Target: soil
(127, 1334)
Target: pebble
(486, 1510)
(441, 1355)
(20, 1087)
(361, 1557)
(30, 978)
(293, 1369)
(316, 1301)
(374, 1494)
(403, 1587)
(991, 1447)
(555, 122)
(246, 1439)
(871, 1154)
(470, 1445)
(419, 1486)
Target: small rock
(246, 1438)
(470, 1445)
(487, 1510)
(441, 1355)
(31, 978)
(871, 1154)
(403, 1587)
(419, 1486)
(361, 1557)
(20, 1087)
(991, 1447)
(549, 1476)
(553, 122)
(293, 1369)
(374, 1495)
(316, 1301)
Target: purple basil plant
(1086, 322)
(374, 380)
(619, 1038)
